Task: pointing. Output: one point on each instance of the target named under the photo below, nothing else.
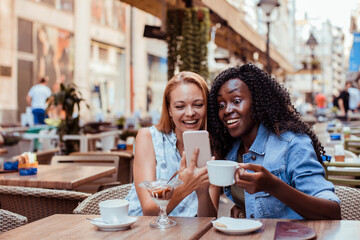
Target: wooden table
(325, 229)
(57, 176)
(70, 226)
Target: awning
(236, 21)
(250, 41)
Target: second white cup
(222, 172)
(114, 211)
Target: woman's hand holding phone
(194, 178)
(197, 139)
(197, 179)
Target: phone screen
(200, 139)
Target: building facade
(325, 72)
(96, 44)
(99, 46)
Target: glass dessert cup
(161, 192)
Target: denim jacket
(292, 158)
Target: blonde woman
(159, 152)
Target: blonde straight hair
(166, 124)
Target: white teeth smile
(190, 122)
(231, 121)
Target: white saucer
(114, 227)
(237, 225)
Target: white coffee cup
(222, 172)
(114, 211)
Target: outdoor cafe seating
(44, 209)
(91, 204)
(125, 167)
(350, 204)
(38, 203)
(343, 173)
(91, 160)
(352, 145)
(43, 156)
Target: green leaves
(187, 38)
(69, 99)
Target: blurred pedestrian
(36, 98)
(343, 102)
(354, 98)
(320, 100)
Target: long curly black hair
(271, 106)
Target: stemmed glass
(161, 192)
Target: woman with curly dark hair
(251, 121)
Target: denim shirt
(290, 157)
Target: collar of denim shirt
(258, 145)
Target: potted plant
(304, 63)
(187, 38)
(66, 101)
(120, 122)
(128, 133)
(315, 64)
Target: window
(103, 54)
(25, 43)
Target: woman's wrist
(274, 186)
(202, 191)
(182, 191)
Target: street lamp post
(312, 43)
(267, 6)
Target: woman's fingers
(193, 160)
(252, 167)
(241, 181)
(183, 161)
(235, 211)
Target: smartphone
(200, 139)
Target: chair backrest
(91, 205)
(350, 204)
(342, 173)
(125, 163)
(352, 145)
(10, 220)
(90, 160)
(349, 154)
(37, 203)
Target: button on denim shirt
(292, 158)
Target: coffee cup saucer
(125, 224)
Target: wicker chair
(37, 203)
(10, 220)
(91, 205)
(350, 204)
